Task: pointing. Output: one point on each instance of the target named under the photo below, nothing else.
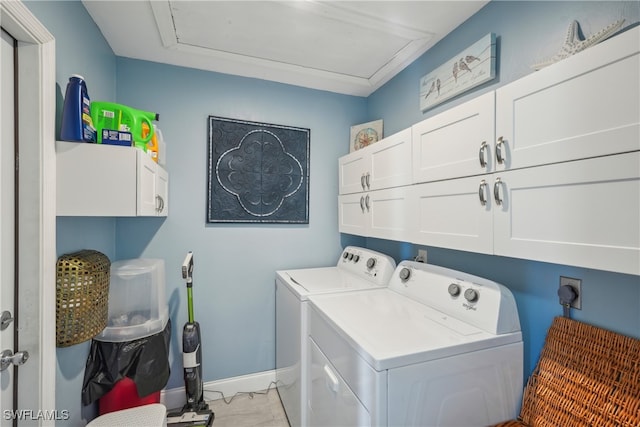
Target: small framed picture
(365, 134)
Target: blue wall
(234, 264)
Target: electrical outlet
(576, 284)
(422, 255)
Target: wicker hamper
(82, 294)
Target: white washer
(437, 347)
(357, 269)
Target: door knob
(5, 319)
(9, 358)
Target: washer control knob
(404, 274)
(345, 255)
(371, 262)
(350, 256)
(356, 258)
(471, 295)
(454, 289)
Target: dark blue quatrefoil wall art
(258, 172)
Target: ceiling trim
(418, 43)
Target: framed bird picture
(471, 67)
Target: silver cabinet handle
(8, 358)
(159, 204)
(499, 145)
(482, 154)
(496, 191)
(482, 192)
(362, 178)
(367, 203)
(362, 203)
(368, 181)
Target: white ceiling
(350, 47)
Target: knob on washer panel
(404, 274)
(454, 289)
(356, 258)
(471, 295)
(371, 262)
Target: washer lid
(307, 281)
(389, 330)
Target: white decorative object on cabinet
(455, 143)
(107, 180)
(385, 164)
(584, 106)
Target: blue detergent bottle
(76, 112)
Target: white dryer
(437, 347)
(357, 269)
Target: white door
(7, 223)
(36, 259)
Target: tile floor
(260, 409)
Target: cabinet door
(584, 213)
(455, 143)
(385, 214)
(390, 164)
(351, 171)
(162, 191)
(352, 216)
(146, 200)
(388, 213)
(454, 214)
(584, 106)
(95, 180)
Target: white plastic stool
(152, 415)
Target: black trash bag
(145, 361)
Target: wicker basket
(82, 295)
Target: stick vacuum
(196, 411)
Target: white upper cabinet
(584, 213)
(454, 214)
(384, 164)
(587, 105)
(381, 213)
(455, 143)
(106, 180)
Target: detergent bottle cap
(77, 76)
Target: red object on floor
(124, 395)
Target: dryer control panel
(363, 262)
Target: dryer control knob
(356, 258)
(471, 295)
(454, 289)
(404, 274)
(345, 255)
(371, 262)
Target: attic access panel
(258, 172)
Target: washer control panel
(477, 301)
(366, 263)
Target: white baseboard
(175, 398)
